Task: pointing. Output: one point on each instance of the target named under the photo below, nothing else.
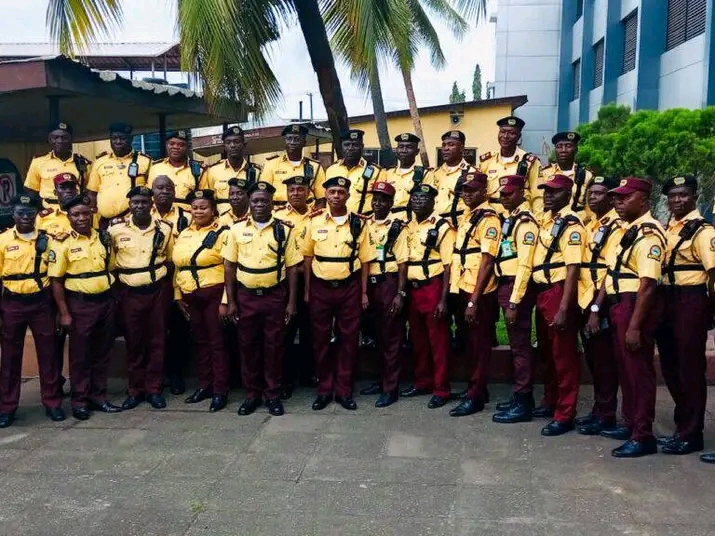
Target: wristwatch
(470, 304)
(595, 308)
(512, 306)
(402, 293)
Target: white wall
(594, 102)
(629, 5)
(626, 93)
(681, 75)
(600, 12)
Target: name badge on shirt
(381, 253)
(506, 249)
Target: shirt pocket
(78, 254)
(319, 235)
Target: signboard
(10, 186)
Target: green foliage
(477, 83)
(457, 96)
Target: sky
(153, 20)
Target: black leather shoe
(55, 414)
(620, 433)
(372, 389)
(458, 395)
(543, 412)
(287, 393)
(505, 405)
(586, 419)
(667, 439)
(347, 403)
(198, 396)
(519, 411)
(81, 413)
(386, 399)
(249, 406)
(6, 419)
(107, 407)
(594, 427)
(414, 391)
(635, 449)
(132, 402)
(367, 343)
(321, 402)
(177, 385)
(680, 447)
(557, 428)
(708, 457)
(275, 407)
(436, 402)
(468, 407)
(156, 401)
(218, 402)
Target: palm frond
(76, 23)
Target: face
(381, 203)
(24, 218)
(681, 201)
(60, 141)
(261, 204)
(66, 191)
(177, 149)
(297, 194)
(512, 200)
(508, 136)
(234, 146)
(555, 199)
(352, 149)
(164, 191)
(452, 150)
(598, 199)
(80, 217)
(473, 196)
(140, 206)
(336, 197)
(294, 143)
(407, 151)
(237, 197)
(629, 206)
(566, 151)
(421, 203)
(121, 143)
(202, 211)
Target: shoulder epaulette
(316, 212)
(547, 166)
(282, 207)
(286, 223)
(485, 157)
(40, 155)
(273, 157)
(100, 155)
(257, 166)
(144, 155)
(45, 212)
(216, 163)
(115, 221)
(242, 218)
(157, 161)
(83, 158)
(361, 216)
(525, 216)
(61, 237)
(530, 157)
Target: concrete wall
(682, 72)
(600, 12)
(627, 88)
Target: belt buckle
(259, 292)
(373, 279)
(335, 284)
(415, 284)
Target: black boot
(520, 410)
(505, 405)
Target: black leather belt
(262, 291)
(381, 278)
(33, 297)
(419, 283)
(686, 289)
(336, 283)
(102, 296)
(151, 288)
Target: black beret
(234, 130)
(352, 134)
(424, 189)
(60, 125)
(140, 190)
(238, 183)
(24, 200)
(122, 128)
(340, 182)
(682, 180)
(295, 129)
(407, 136)
(180, 134)
(75, 201)
(261, 186)
(454, 135)
(298, 180)
(608, 182)
(573, 137)
(200, 194)
(511, 121)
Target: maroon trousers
(91, 339)
(18, 313)
(479, 342)
(636, 369)
(298, 359)
(390, 330)
(261, 329)
(519, 335)
(681, 340)
(603, 365)
(143, 314)
(430, 339)
(341, 303)
(211, 360)
(558, 351)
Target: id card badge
(381, 253)
(506, 250)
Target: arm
(307, 274)
(364, 272)
(644, 301)
(594, 319)
(229, 278)
(398, 301)
(485, 272)
(571, 246)
(92, 199)
(58, 293)
(292, 306)
(534, 195)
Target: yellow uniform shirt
(228, 218)
(216, 178)
(403, 180)
(279, 168)
(643, 258)
(579, 197)
(495, 166)
(568, 250)
(53, 221)
(387, 261)
(441, 247)
(693, 258)
(175, 216)
(255, 251)
(359, 187)
(608, 230)
(330, 244)
(84, 263)
(445, 180)
(516, 251)
(182, 177)
(110, 179)
(43, 170)
(474, 240)
(292, 216)
(206, 270)
(134, 250)
(17, 263)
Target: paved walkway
(402, 471)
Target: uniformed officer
(450, 176)
(26, 303)
(238, 201)
(517, 295)
(165, 208)
(143, 248)
(407, 173)
(185, 172)
(54, 220)
(292, 163)
(200, 288)
(235, 165)
(357, 170)
(510, 159)
(636, 308)
(261, 256)
(604, 233)
(386, 289)
(557, 263)
(688, 274)
(473, 281)
(44, 168)
(80, 265)
(431, 243)
(566, 149)
(115, 173)
(337, 249)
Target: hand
(560, 320)
(365, 302)
(633, 339)
(306, 295)
(232, 313)
(440, 311)
(291, 311)
(64, 323)
(184, 308)
(593, 326)
(396, 306)
(510, 316)
(223, 314)
(470, 314)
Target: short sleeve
(94, 181)
(649, 255)
(33, 179)
(446, 247)
(318, 190)
(367, 251)
(230, 248)
(293, 255)
(305, 240)
(490, 236)
(401, 249)
(56, 259)
(704, 246)
(572, 244)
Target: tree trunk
(378, 108)
(321, 56)
(415, 114)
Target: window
(470, 155)
(686, 19)
(598, 64)
(576, 73)
(579, 9)
(630, 39)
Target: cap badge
(236, 130)
(67, 177)
(341, 182)
(295, 129)
(503, 181)
(182, 133)
(353, 135)
(424, 188)
(571, 136)
(598, 180)
(404, 137)
(261, 185)
(511, 122)
(623, 182)
(679, 181)
(62, 126)
(24, 199)
(454, 134)
(199, 194)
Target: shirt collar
(250, 221)
(17, 234)
(227, 165)
(212, 227)
(521, 208)
(55, 157)
(518, 155)
(361, 163)
(644, 218)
